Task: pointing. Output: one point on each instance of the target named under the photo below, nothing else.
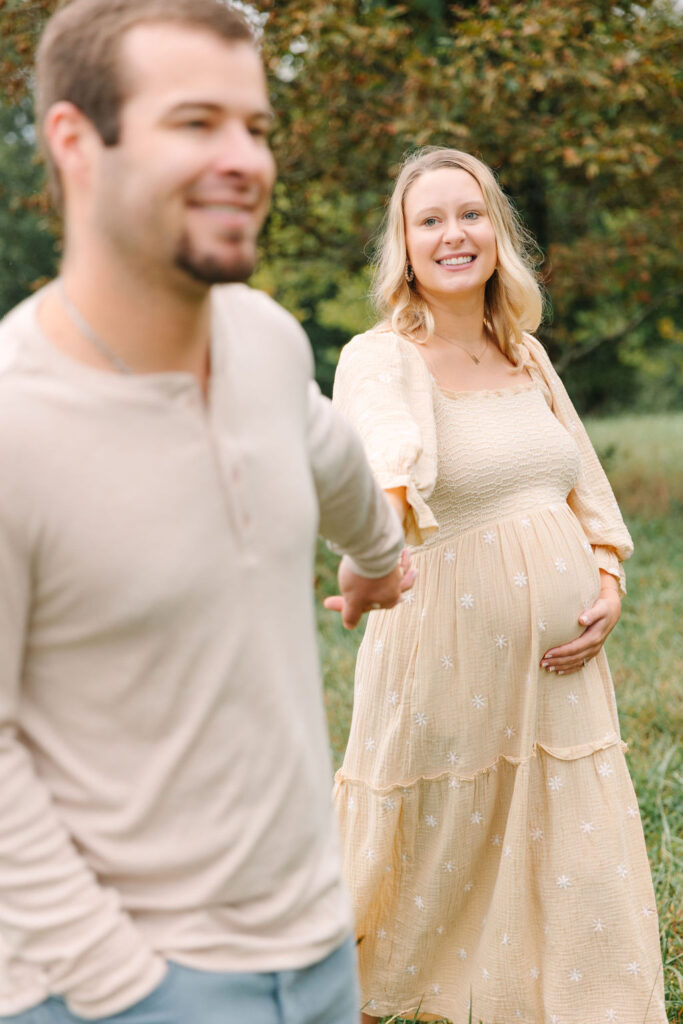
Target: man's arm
(65, 933)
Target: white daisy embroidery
(563, 882)
(351, 803)
(542, 625)
(555, 782)
(536, 835)
(507, 851)
(436, 989)
(560, 565)
(521, 579)
(453, 783)
(488, 537)
(525, 522)
(462, 954)
(412, 969)
(452, 757)
(573, 698)
(477, 818)
(594, 524)
(373, 1004)
(610, 1016)
(648, 911)
(467, 600)
(468, 886)
(430, 821)
(506, 940)
(419, 902)
(448, 866)
(388, 804)
(485, 974)
(393, 698)
(408, 597)
(509, 731)
(420, 718)
(598, 925)
(440, 930)
(575, 975)
(381, 933)
(587, 827)
(379, 646)
(632, 811)
(496, 840)
(449, 556)
(633, 968)
(370, 744)
(605, 770)
(534, 973)
(554, 1019)
(500, 641)
(385, 378)
(479, 701)
(369, 855)
(622, 870)
(446, 661)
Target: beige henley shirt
(164, 768)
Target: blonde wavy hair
(513, 301)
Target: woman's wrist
(609, 584)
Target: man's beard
(207, 269)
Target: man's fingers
(334, 604)
(351, 615)
(408, 579)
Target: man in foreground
(167, 848)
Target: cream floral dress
(491, 836)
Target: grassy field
(644, 459)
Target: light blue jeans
(325, 993)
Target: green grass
(644, 458)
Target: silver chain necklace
(475, 358)
(88, 332)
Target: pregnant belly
(551, 576)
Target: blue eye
(429, 221)
(472, 214)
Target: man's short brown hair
(78, 57)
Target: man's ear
(73, 142)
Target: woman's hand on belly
(599, 620)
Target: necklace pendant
(476, 360)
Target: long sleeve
(354, 513)
(63, 933)
(384, 390)
(592, 499)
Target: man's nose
(241, 153)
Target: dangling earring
(410, 274)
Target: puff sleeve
(592, 499)
(384, 389)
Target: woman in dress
(491, 834)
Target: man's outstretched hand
(360, 594)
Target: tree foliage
(576, 106)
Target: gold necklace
(475, 358)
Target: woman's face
(450, 239)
